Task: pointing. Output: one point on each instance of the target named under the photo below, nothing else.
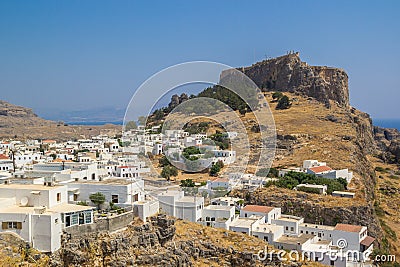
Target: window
(114, 199)
(301, 231)
(56, 220)
(292, 229)
(74, 219)
(266, 238)
(58, 197)
(212, 219)
(207, 218)
(12, 225)
(287, 228)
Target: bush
(380, 169)
(169, 171)
(292, 179)
(277, 95)
(216, 168)
(283, 103)
(308, 190)
(187, 183)
(164, 161)
(97, 199)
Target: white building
(146, 208)
(176, 204)
(290, 223)
(121, 192)
(245, 225)
(320, 189)
(5, 163)
(39, 213)
(227, 201)
(218, 216)
(270, 213)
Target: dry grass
(388, 202)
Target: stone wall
(112, 223)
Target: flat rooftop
(289, 218)
(244, 222)
(111, 181)
(170, 193)
(29, 186)
(219, 207)
(63, 208)
(317, 226)
(294, 240)
(267, 228)
(190, 199)
(24, 210)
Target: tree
(158, 114)
(216, 168)
(187, 183)
(283, 103)
(97, 199)
(169, 171)
(164, 161)
(131, 125)
(277, 95)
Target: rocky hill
(15, 116)
(289, 74)
(22, 123)
(164, 241)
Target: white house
(121, 192)
(245, 225)
(343, 194)
(290, 223)
(320, 189)
(218, 216)
(175, 203)
(270, 213)
(146, 208)
(227, 201)
(312, 163)
(267, 232)
(39, 213)
(5, 163)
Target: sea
(94, 123)
(387, 123)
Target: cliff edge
(289, 74)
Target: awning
(367, 241)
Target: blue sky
(73, 55)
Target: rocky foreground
(163, 241)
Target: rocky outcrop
(9, 110)
(388, 142)
(153, 244)
(289, 74)
(16, 116)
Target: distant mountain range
(95, 116)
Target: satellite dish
(24, 201)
